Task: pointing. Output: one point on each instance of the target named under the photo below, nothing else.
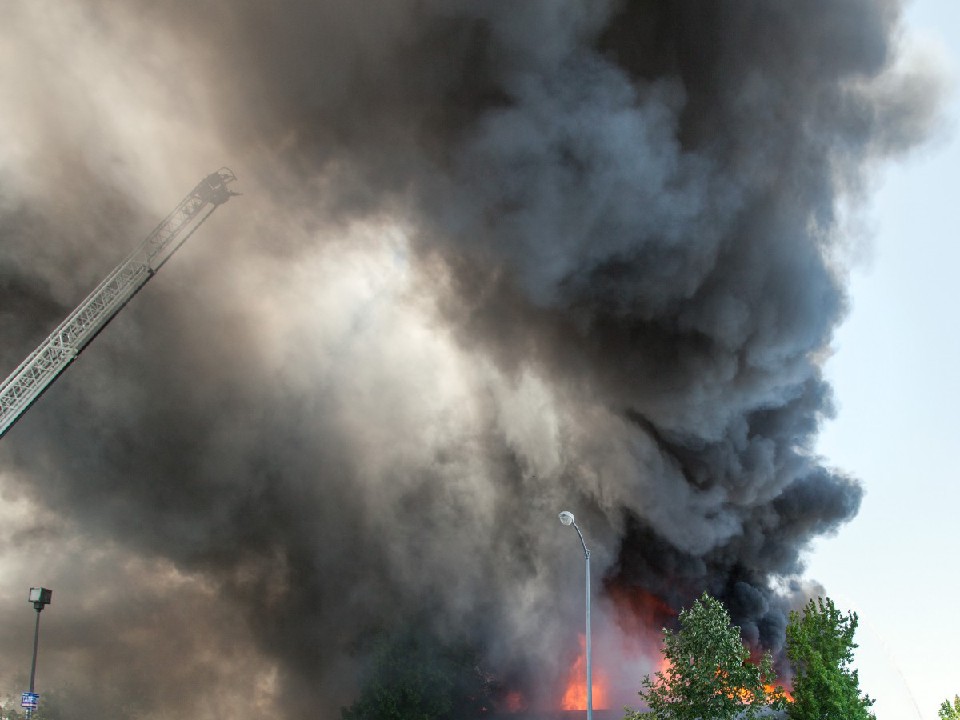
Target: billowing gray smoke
(493, 260)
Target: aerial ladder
(35, 374)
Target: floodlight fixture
(40, 596)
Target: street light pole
(567, 519)
(40, 597)
(36, 644)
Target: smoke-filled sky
(491, 260)
(896, 387)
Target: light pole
(40, 597)
(567, 519)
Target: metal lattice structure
(35, 374)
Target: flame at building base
(575, 693)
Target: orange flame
(575, 694)
(773, 692)
(770, 692)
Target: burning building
(492, 260)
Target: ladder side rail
(161, 237)
(45, 363)
(123, 281)
(143, 256)
(128, 277)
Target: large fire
(575, 694)
(631, 648)
(625, 647)
(641, 617)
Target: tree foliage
(50, 707)
(948, 711)
(708, 673)
(416, 677)
(820, 646)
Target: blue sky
(896, 376)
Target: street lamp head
(40, 596)
(566, 518)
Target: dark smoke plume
(493, 260)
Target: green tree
(708, 675)
(948, 711)
(820, 647)
(9, 710)
(49, 708)
(416, 677)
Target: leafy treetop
(708, 673)
(820, 647)
(948, 711)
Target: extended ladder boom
(41, 368)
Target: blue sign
(29, 700)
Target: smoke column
(493, 260)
